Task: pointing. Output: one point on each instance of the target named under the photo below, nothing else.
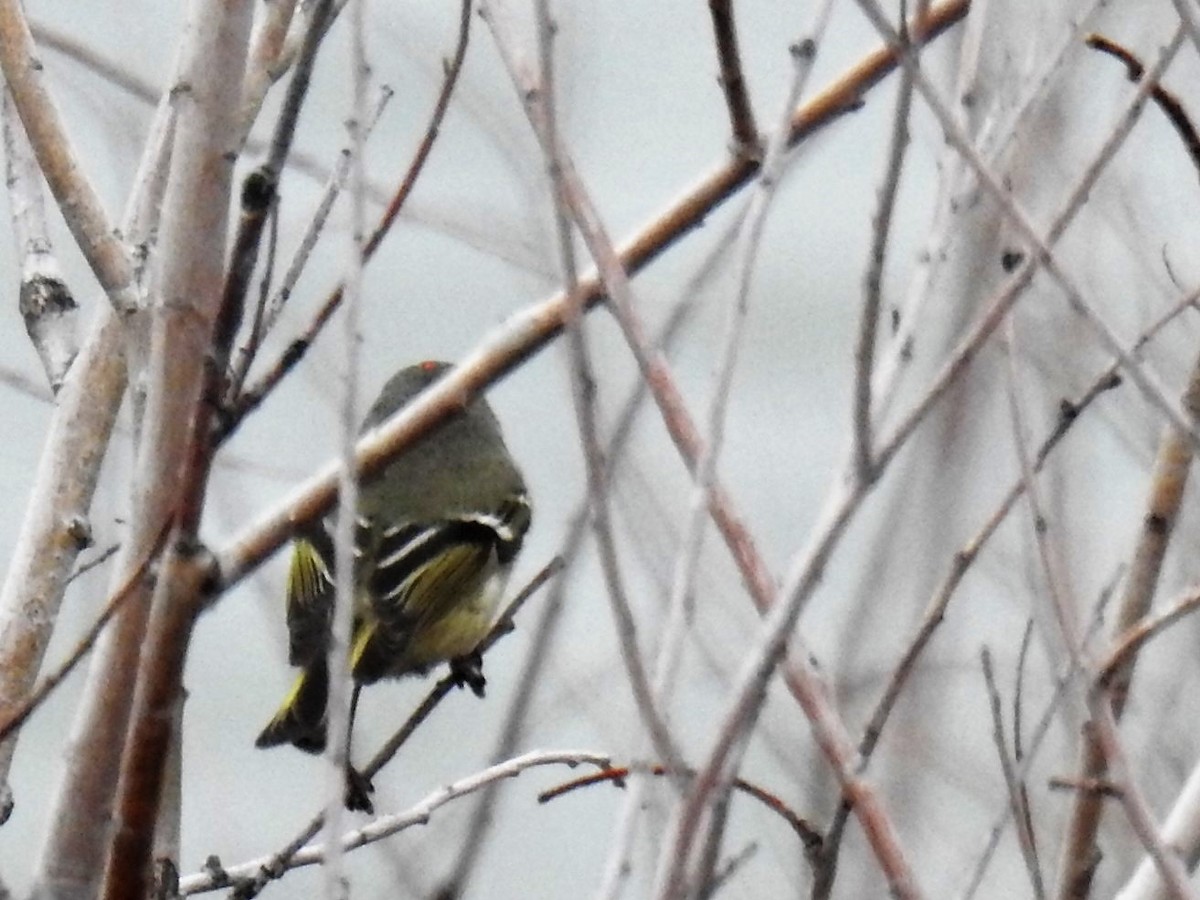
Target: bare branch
(263, 63)
(1147, 629)
(1014, 785)
(184, 362)
(46, 686)
(809, 836)
(538, 93)
(864, 354)
(1172, 465)
(78, 200)
(1066, 677)
(269, 308)
(1137, 808)
(386, 826)
(733, 81)
(1041, 249)
(346, 517)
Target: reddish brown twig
(1166, 101)
(809, 836)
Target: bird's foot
(468, 672)
(358, 791)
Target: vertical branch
(733, 81)
(1049, 552)
(270, 306)
(171, 475)
(206, 140)
(864, 354)
(82, 808)
(56, 526)
(1167, 482)
(1137, 809)
(537, 93)
(346, 525)
(1012, 780)
(544, 633)
(263, 60)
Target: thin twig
(52, 680)
(346, 516)
(245, 874)
(864, 354)
(809, 836)
(1137, 809)
(1041, 253)
(733, 80)
(704, 477)
(1067, 676)
(538, 91)
(270, 306)
(1132, 640)
(259, 193)
(1172, 108)
(1013, 784)
(537, 655)
(1024, 808)
(98, 560)
(1049, 555)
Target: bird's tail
(301, 719)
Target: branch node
(79, 530)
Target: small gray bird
(438, 530)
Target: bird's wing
(429, 589)
(430, 572)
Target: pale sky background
(642, 112)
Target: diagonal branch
(77, 198)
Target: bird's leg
(358, 786)
(468, 672)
